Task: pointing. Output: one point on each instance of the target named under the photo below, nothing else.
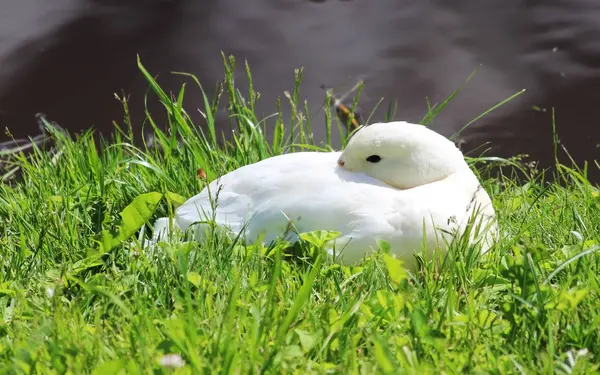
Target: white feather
(316, 193)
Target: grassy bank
(80, 293)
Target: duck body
(313, 191)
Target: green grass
(78, 294)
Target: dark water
(67, 57)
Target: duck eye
(374, 158)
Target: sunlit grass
(79, 295)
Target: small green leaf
(514, 204)
(395, 269)
(307, 339)
(383, 358)
(292, 351)
(568, 300)
(175, 199)
(194, 278)
(132, 218)
(5, 290)
(384, 246)
(55, 198)
(91, 261)
(110, 367)
(419, 322)
(382, 298)
(319, 238)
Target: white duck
(392, 181)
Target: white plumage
(392, 181)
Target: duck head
(402, 154)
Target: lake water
(67, 58)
